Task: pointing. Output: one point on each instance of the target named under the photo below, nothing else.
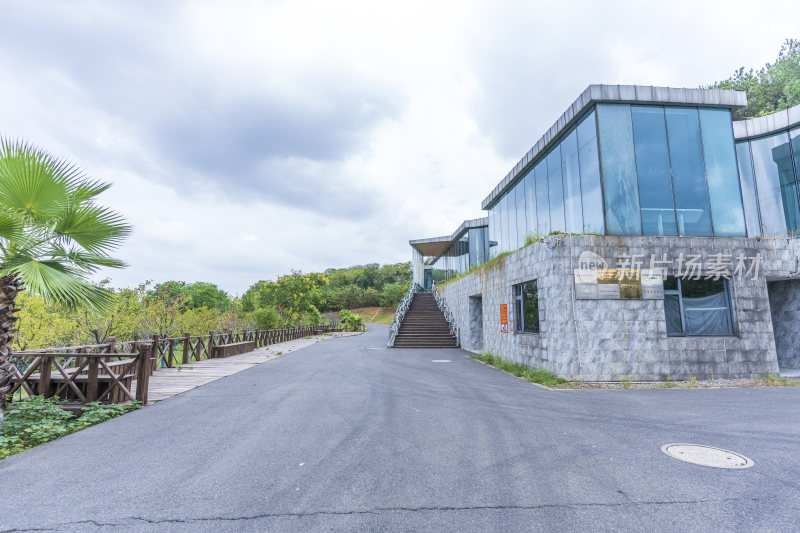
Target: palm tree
(52, 237)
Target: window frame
(519, 308)
(679, 293)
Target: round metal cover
(707, 456)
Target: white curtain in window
(707, 315)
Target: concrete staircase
(424, 326)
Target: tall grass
(542, 376)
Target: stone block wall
(784, 301)
(602, 340)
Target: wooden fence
(105, 372)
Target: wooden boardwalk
(168, 382)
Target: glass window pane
(521, 225)
(748, 189)
(504, 223)
(688, 173)
(511, 205)
(672, 310)
(530, 203)
(724, 194)
(652, 167)
(705, 307)
(518, 311)
(795, 135)
(477, 252)
(619, 170)
(556, 190)
(542, 199)
(791, 210)
(492, 231)
(591, 194)
(770, 162)
(572, 183)
(531, 306)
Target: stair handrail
(405, 303)
(448, 315)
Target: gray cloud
(244, 140)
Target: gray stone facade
(609, 340)
(784, 302)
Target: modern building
(645, 235)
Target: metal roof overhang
(436, 246)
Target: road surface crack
(378, 510)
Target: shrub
(267, 318)
(350, 321)
(37, 420)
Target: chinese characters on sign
(503, 318)
(692, 266)
(638, 277)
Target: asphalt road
(349, 436)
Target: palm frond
(87, 190)
(97, 229)
(52, 234)
(11, 225)
(86, 262)
(27, 183)
(58, 284)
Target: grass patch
(375, 315)
(668, 383)
(772, 380)
(541, 376)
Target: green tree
(120, 321)
(52, 237)
(207, 295)
(774, 87)
(40, 325)
(393, 293)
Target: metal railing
(448, 314)
(401, 311)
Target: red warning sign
(504, 318)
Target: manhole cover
(707, 456)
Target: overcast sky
(245, 139)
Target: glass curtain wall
(652, 166)
(561, 192)
(591, 188)
(770, 163)
(620, 187)
(749, 196)
(522, 227)
(669, 171)
(722, 173)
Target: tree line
(299, 297)
(173, 308)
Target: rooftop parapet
(756, 127)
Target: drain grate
(707, 456)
